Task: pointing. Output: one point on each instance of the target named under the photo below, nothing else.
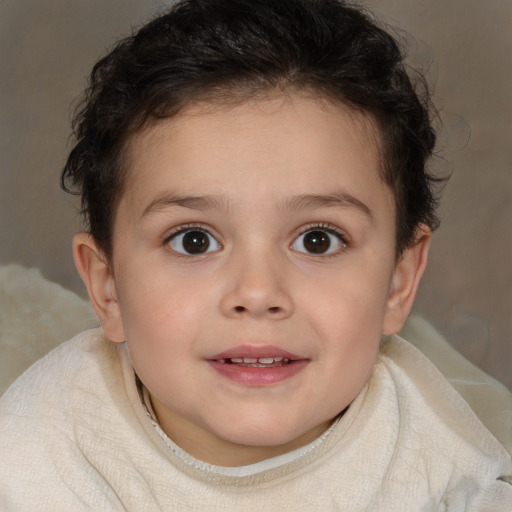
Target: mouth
(257, 365)
(257, 362)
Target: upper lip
(255, 351)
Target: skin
(265, 171)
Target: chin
(270, 434)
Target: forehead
(295, 139)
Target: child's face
(257, 231)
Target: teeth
(255, 360)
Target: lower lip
(258, 376)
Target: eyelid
(184, 228)
(325, 226)
(328, 228)
(190, 227)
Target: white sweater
(75, 436)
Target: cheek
(147, 286)
(162, 329)
(349, 335)
(352, 300)
(164, 312)
(347, 319)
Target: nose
(257, 287)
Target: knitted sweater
(75, 435)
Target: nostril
(275, 309)
(239, 309)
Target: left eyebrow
(337, 199)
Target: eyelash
(183, 228)
(325, 226)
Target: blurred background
(47, 49)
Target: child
(252, 173)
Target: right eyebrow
(169, 200)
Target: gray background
(48, 47)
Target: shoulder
(424, 394)
(61, 386)
(422, 390)
(489, 399)
(438, 426)
(49, 380)
(43, 414)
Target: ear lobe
(95, 271)
(406, 280)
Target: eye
(193, 241)
(319, 241)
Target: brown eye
(316, 242)
(193, 242)
(320, 242)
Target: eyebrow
(207, 202)
(338, 200)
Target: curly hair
(215, 50)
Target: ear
(405, 282)
(95, 271)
